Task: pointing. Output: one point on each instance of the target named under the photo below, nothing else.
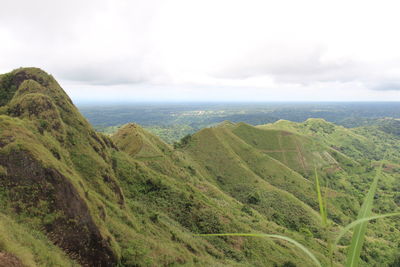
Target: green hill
(70, 196)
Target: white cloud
(208, 50)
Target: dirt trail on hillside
(279, 150)
(280, 146)
(300, 155)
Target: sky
(208, 50)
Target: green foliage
(322, 204)
(254, 198)
(183, 142)
(173, 121)
(397, 199)
(294, 242)
(395, 263)
(171, 133)
(142, 200)
(353, 255)
(30, 246)
(289, 264)
(7, 88)
(135, 251)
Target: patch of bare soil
(9, 260)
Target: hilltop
(72, 196)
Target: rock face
(74, 230)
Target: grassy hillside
(70, 196)
(226, 157)
(344, 140)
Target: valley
(172, 121)
(123, 196)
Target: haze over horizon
(200, 133)
(229, 51)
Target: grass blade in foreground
(359, 221)
(323, 210)
(294, 242)
(353, 255)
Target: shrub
(289, 264)
(183, 142)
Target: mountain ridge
(132, 200)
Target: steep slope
(339, 138)
(247, 167)
(42, 136)
(70, 196)
(385, 137)
(241, 159)
(359, 148)
(296, 151)
(94, 205)
(140, 144)
(207, 209)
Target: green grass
(30, 246)
(359, 225)
(358, 237)
(147, 199)
(294, 242)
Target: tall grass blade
(329, 240)
(294, 242)
(326, 201)
(359, 221)
(353, 255)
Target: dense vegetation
(173, 121)
(72, 196)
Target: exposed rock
(74, 229)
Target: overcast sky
(208, 50)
